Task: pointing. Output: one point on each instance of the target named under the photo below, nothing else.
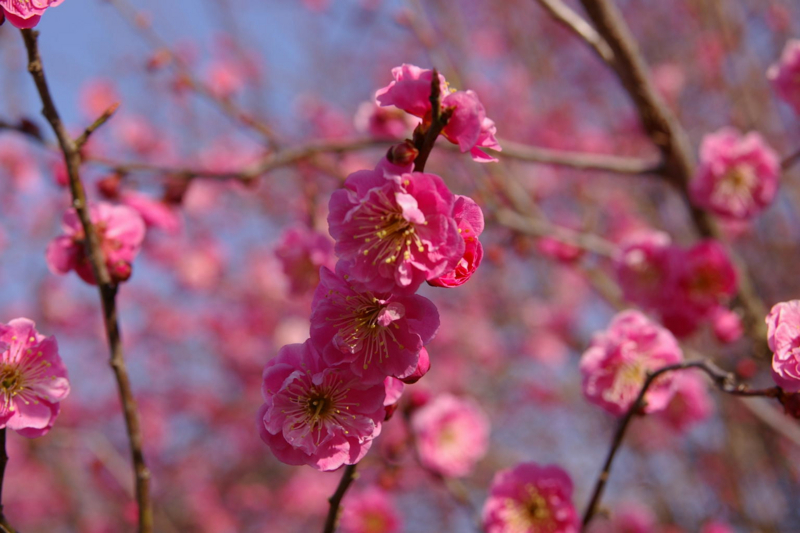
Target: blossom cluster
(394, 230)
(685, 287)
(25, 14)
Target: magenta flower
(33, 380)
(783, 336)
(785, 75)
(469, 217)
(530, 499)
(375, 334)
(642, 268)
(396, 231)
(121, 231)
(383, 122)
(616, 364)
(468, 126)
(370, 511)
(737, 176)
(410, 90)
(154, 213)
(302, 251)
(452, 435)
(423, 366)
(315, 414)
(25, 14)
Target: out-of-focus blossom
(383, 122)
(642, 268)
(97, 96)
(225, 78)
(616, 364)
(783, 336)
(727, 324)
(737, 176)
(452, 435)
(33, 380)
(370, 511)
(559, 250)
(530, 498)
(691, 402)
(717, 527)
(120, 230)
(26, 14)
(375, 334)
(302, 252)
(394, 390)
(397, 231)
(156, 214)
(785, 74)
(315, 414)
(17, 162)
(469, 217)
(629, 518)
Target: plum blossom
(468, 126)
(383, 122)
(394, 390)
(120, 230)
(616, 364)
(155, 213)
(316, 414)
(642, 267)
(785, 74)
(25, 14)
(783, 337)
(469, 217)
(691, 402)
(370, 511)
(737, 176)
(33, 380)
(396, 231)
(302, 251)
(530, 498)
(452, 434)
(375, 334)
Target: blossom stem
(335, 501)
(4, 525)
(107, 288)
(724, 381)
(439, 118)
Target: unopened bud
(109, 186)
(402, 154)
(120, 271)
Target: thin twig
(724, 381)
(348, 476)
(566, 16)
(425, 139)
(25, 127)
(4, 525)
(80, 141)
(107, 288)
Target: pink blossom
(642, 267)
(302, 252)
(376, 334)
(397, 231)
(559, 250)
(783, 336)
(629, 518)
(156, 214)
(394, 390)
(26, 13)
(785, 74)
(383, 122)
(691, 402)
(120, 230)
(716, 527)
(96, 96)
(33, 380)
(452, 435)
(616, 364)
(423, 366)
(727, 325)
(410, 90)
(469, 217)
(315, 414)
(469, 127)
(370, 511)
(530, 499)
(737, 176)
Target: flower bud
(402, 154)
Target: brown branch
(667, 134)
(80, 141)
(574, 22)
(578, 160)
(789, 161)
(724, 381)
(4, 525)
(25, 127)
(424, 139)
(107, 288)
(348, 476)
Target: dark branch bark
(348, 476)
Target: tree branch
(4, 525)
(107, 288)
(724, 381)
(572, 21)
(348, 476)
